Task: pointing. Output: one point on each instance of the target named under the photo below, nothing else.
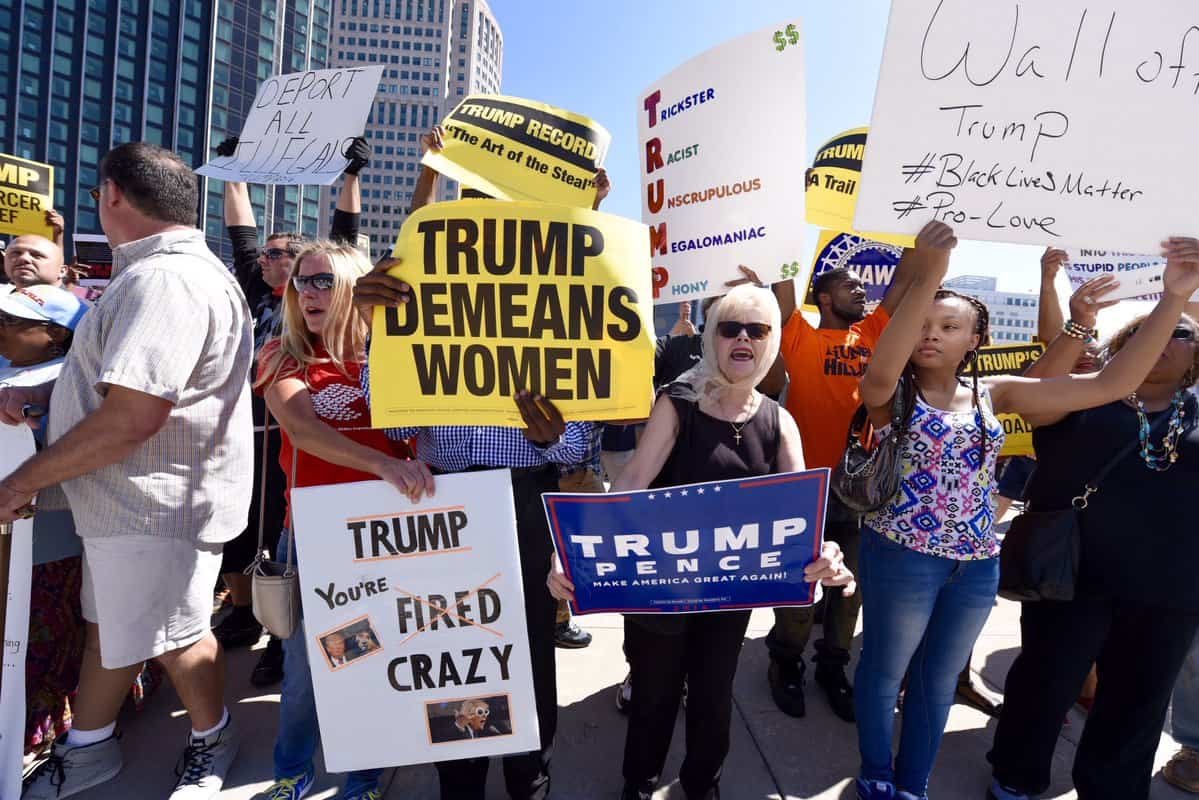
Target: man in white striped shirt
(150, 437)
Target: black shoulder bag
(866, 479)
(1040, 553)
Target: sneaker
(786, 680)
(1182, 772)
(292, 788)
(269, 669)
(204, 764)
(70, 770)
(570, 636)
(836, 687)
(624, 693)
(363, 794)
(238, 629)
(874, 790)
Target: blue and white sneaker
(292, 788)
(364, 794)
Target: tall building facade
(78, 77)
(1013, 314)
(435, 53)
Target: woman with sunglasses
(1136, 604)
(929, 567)
(710, 425)
(310, 376)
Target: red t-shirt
(339, 401)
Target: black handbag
(866, 479)
(1040, 553)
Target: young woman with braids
(929, 568)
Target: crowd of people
(176, 414)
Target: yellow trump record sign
(833, 184)
(26, 194)
(511, 296)
(516, 149)
(1011, 359)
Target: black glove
(228, 147)
(359, 153)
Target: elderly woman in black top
(712, 424)
(1136, 605)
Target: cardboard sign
(516, 149)
(874, 262)
(1037, 123)
(509, 297)
(833, 182)
(415, 623)
(717, 195)
(1011, 359)
(16, 445)
(704, 547)
(299, 126)
(26, 194)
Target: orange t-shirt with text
(825, 366)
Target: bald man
(31, 260)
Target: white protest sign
(1064, 124)
(1139, 277)
(16, 445)
(299, 127)
(415, 623)
(722, 163)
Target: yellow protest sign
(1011, 359)
(515, 149)
(833, 181)
(26, 194)
(509, 296)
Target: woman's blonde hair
(1121, 337)
(745, 303)
(344, 337)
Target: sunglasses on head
(274, 253)
(322, 281)
(754, 330)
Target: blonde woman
(310, 377)
(712, 424)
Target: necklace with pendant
(1161, 458)
(737, 430)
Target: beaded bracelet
(1080, 332)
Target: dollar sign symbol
(780, 41)
(792, 34)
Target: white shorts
(149, 595)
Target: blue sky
(596, 58)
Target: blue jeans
(920, 617)
(1184, 708)
(299, 732)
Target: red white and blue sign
(704, 547)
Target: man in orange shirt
(825, 364)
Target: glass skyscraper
(80, 76)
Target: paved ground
(773, 756)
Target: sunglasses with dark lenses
(1182, 332)
(754, 330)
(322, 281)
(274, 253)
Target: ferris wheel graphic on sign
(873, 261)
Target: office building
(436, 52)
(1013, 314)
(81, 76)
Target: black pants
(526, 774)
(240, 552)
(704, 651)
(1139, 652)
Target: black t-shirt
(1139, 538)
(674, 355)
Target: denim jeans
(920, 616)
(1184, 708)
(295, 746)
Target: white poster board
(1059, 123)
(299, 127)
(16, 445)
(723, 157)
(1140, 277)
(399, 679)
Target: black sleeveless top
(707, 449)
(1139, 534)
